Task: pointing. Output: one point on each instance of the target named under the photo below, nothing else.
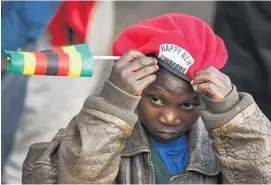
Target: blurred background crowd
(34, 108)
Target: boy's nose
(170, 118)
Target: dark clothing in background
(13, 89)
(245, 27)
(22, 24)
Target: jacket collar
(201, 159)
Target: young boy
(148, 123)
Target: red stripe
(58, 50)
(41, 63)
(63, 62)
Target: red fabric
(187, 32)
(72, 14)
(41, 63)
(63, 62)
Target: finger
(143, 83)
(212, 71)
(206, 77)
(209, 69)
(129, 56)
(219, 80)
(4, 65)
(146, 71)
(209, 74)
(207, 87)
(141, 62)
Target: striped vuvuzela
(74, 61)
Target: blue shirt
(174, 154)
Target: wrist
(223, 105)
(116, 96)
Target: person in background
(58, 98)
(245, 27)
(166, 114)
(22, 24)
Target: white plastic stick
(106, 57)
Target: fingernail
(195, 87)
(191, 82)
(156, 62)
(139, 93)
(157, 67)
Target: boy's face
(168, 107)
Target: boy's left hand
(212, 81)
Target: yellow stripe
(69, 49)
(29, 63)
(75, 61)
(75, 64)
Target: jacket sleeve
(90, 147)
(241, 138)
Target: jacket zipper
(152, 175)
(182, 175)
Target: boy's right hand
(3, 65)
(133, 72)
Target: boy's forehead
(170, 82)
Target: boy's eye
(156, 100)
(187, 106)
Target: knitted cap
(183, 44)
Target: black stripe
(52, 63)
(47, 51)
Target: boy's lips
(166, 135)
(166, 132)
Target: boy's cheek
(190, 118)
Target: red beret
(183, 44)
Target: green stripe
(87, 60)
(16, 65)
(87, 65)
(82, 48)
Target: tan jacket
(103, 144)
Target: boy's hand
(213, 82)
(133, 72)
(3, 65)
